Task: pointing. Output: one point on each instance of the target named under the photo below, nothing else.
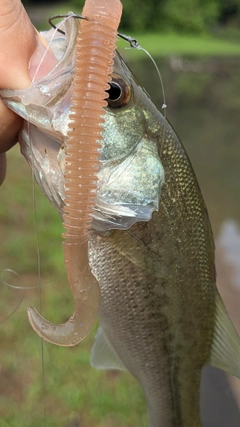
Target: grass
(73, 393)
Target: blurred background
(196, 46)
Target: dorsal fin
(225, 351)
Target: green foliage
(195, 16)
(229, 11)
(178, 15)
(141, 15)
(192, 15)
(77, 5)
(138, 15)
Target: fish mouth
(128, 188)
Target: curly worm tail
(95, 49)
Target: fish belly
(134, 315)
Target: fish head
(130, 175)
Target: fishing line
(57, 29)
(11, 286)
(135, 45)
(19, 287)
(39, 285)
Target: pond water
(203, 106)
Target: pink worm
(95, 50)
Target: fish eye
(119, 92)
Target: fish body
(158, 308)
(150, 246)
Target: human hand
(17, 44)
(18, 41)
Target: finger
(10, 125)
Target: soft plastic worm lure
(95, 49)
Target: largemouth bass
(150, 246)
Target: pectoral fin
(225, 351)
(103, 355)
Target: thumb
(19, 40)
(17, 43)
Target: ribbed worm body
(95, 49)
(94, 60)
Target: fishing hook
(133, 42)
(63, 16)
